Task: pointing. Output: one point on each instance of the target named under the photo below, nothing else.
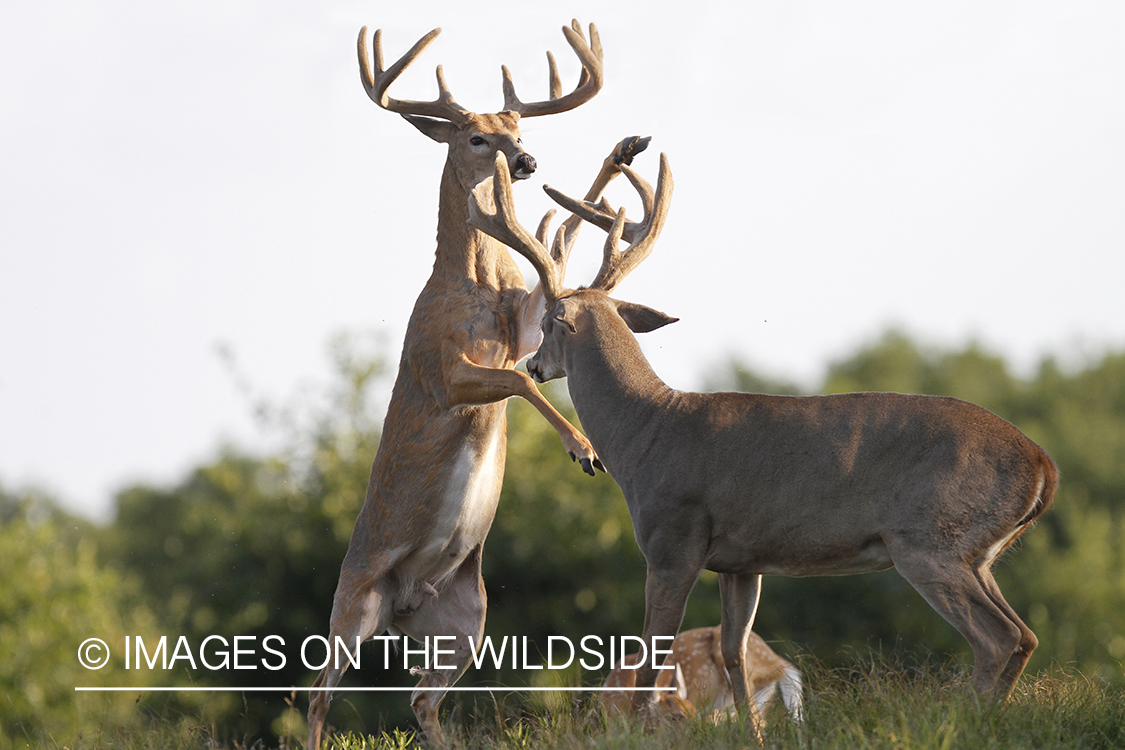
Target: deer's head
(587, 317)
(676, 705)
(474, 139)
(672, 704)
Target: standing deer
(701, 680)
(414, 560)
(746, 485)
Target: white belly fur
(466, 514)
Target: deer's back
(840, 473)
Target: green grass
(875, 703)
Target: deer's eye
(476, 140)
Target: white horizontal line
(500, 689)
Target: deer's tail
(791, 694)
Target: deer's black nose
(525, 164)
(533, 369)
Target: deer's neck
(619, 398)
(464, 252)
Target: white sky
(175, 175)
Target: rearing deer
(413, 563)
(745, 484)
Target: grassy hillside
(877, 702)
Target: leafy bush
(54, 594)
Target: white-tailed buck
(701, 680)
(745, 484)
(413, 563)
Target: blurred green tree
(54, 595)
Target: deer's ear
(641, 319)
(678, 683)
(565, 317)
(566, 314)
(441, 131)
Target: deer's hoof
(630, 147)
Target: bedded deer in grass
(746, 485)
(700, 679)
(413, 563)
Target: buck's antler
(500, 223)
(376, 81)
(641, 236)
(589, 82)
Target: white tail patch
(994, 551)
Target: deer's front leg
(666, 595)
(470, 383)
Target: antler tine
(611, 257)
(616, 265)
(561, 247)
(563, 244)
(589, 82)
(554, 84)
(600, 214)
(643, 188)
(501, 224)
(595, 40)
(377, 80)
(544, 227)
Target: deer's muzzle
(534, 371)
(524, 166)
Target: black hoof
(630, 147)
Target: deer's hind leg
(961, 595)
(739, 594)
(1028, 642)
(359, 610)
(459, 611)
